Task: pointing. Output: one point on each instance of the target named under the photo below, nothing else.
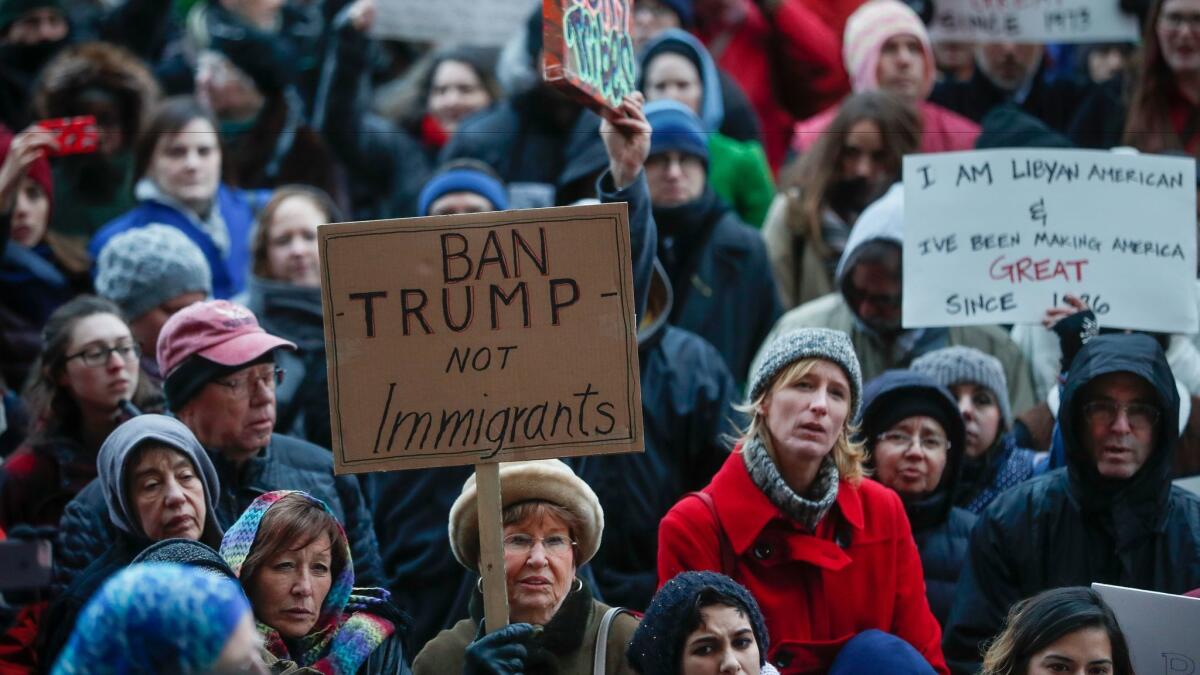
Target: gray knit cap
(144, 267)
(822, 343)
(955, 365)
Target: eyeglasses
(555, 545)
(1179, 20)
(899, 439)
(1140, 415)
(98, 355)
(244, 384)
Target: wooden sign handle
(491, 546)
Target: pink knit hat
(868, 28)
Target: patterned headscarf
(155, 618)
(344, 635)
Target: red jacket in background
(789, 66)
(815, 595)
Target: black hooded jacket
(940, 529)
(1072, 526)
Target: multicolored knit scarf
(346, 632)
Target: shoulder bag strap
(727, 555)
(599, 660)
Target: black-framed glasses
(245, 383)
(1141, 416)
(95, 356)
(899, 439)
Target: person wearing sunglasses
(916, 440)
(1110, 516)
(88, 365)
(220, 378)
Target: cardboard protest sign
(589, 52)
(999, 236)
(480, 338)
(1032, 21)
(482, 23)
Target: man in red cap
(219, 379)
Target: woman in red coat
(828, 553)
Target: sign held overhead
(589, 51)
(999, 236)
(480, 338)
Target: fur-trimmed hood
(101, 65)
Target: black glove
(500, 653)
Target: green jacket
(876, 356)
(446, 652)
(738, 172)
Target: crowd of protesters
(822, 489)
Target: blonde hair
(850, 456)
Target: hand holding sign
(589, 51)
(627, 140)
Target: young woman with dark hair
(1063, 630)
(83, 381)
(179, 183)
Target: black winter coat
(940, 529)
(1072, 527)
(85, 531)
(302, 400)
(723, 285)
(1053, 101)
(943, 550)
(380, 156)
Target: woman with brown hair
(1063, 630)
(293, 559)
(177, 165)
(285, 294)
(82, 383)
(1164, 113)
(857, 158)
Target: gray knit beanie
(822, 343)
(144, 267)
(955, 365)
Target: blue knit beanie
(657, 645)
(676, 127)
(462, 179)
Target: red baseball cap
(221, 331)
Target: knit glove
(500, 653)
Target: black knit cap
(192, 375)
(657, 644)
(186, 552)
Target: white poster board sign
(482, 23)
(999, 236)
(1032, 21)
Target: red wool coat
(814, 594)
